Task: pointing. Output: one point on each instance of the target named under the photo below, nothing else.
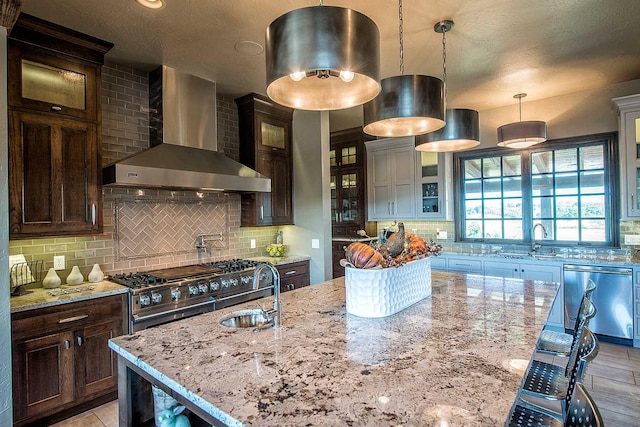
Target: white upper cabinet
(405, 184)
(391, 179)
(629, 142)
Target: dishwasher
(613, 299)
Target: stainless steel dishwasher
(613, 298)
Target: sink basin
(246, 319)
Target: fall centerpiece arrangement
(399, 249)
(375, 290)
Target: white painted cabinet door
(391, 179)
(501, 269)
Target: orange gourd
(363, 256)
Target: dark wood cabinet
(337, 253)
(61, 357)
(54, 130)
(294, 275)
(348, 181)
(54, 176)
(265, 145)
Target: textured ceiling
(498, 47)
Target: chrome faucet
(535, 246)
(275, 314)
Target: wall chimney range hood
(183, 142)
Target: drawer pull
(80, 341)
(56, 108)
(290, 272)
(73, 319)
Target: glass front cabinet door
(629, 143)
(433, 185)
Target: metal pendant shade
(461, 132)
(322, 58)
(522, 134)
(407, 105)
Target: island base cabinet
(62, 363)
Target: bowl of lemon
(276, 249)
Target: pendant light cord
(444, 64)
(401, 36)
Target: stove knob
(214, 285)
(202, 287)
(156, 297)
(193, 290)
(246, 279)
(144, 300)
(226, 283)
(264, 276)
(176, 293)
(234, 282)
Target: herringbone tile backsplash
(159, 228)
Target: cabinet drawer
(638, 278)
(637, 292)
(294, 282)
(293, 269)
(465, 265)
(68, 316)
(438, 263)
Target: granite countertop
(585, 259)
(450, 359)
(289, 259)
(354, 239)
(41, 297)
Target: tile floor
(612, 379)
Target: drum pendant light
(407, 105)
(522, 134)
(322, 58)
(462, 130)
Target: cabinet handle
(290, 272)
(633, 206)
(80, 340)
(56, 108)
(93, 213)
(67, 344)
(261, 212)
(389, 208)
(72, 319)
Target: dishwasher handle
(622, 271)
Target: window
(568, 186)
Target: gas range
(160, 296)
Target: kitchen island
(454, 358)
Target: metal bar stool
(560, 343)
(552, 382)
(581, 412)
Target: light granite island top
(451, 359)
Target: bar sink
(246, 319)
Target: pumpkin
(416, 245)
(363, 256)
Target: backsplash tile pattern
(155, 228)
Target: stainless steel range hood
(183, 142)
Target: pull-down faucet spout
(535, 246)
(276, 312)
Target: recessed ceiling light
(248, 47)
(152, 4)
